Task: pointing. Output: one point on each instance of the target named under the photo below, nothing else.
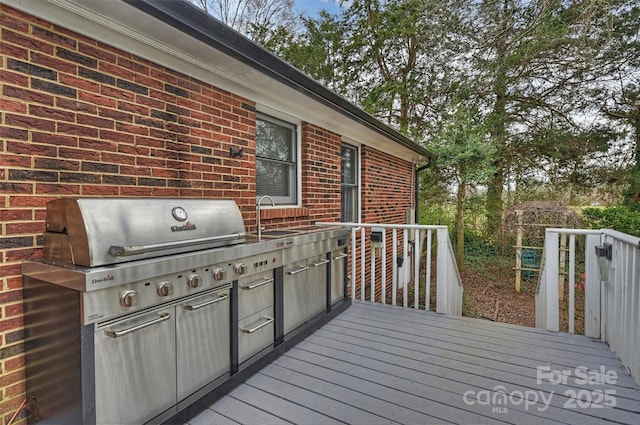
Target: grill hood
(100, 231)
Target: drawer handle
(321, 263)
(340, 257)
(117, 334)
(192, 307)
(257, 284)
(267, 320)
(296, 271)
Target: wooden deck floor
(376, 364)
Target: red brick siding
(80, 118)
(386, 194)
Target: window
(276, 160)
(349, 184)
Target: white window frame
(268, 114)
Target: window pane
(348, 165)
(348, 204)
(274, 178)
(276, 156)
(274, 141)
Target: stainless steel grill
(140, 306)
(94, 232)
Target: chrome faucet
(258, 208)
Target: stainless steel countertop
(86, 279)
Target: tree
(378, 54)
(464, 159)
(617, 91)
(260, 20)
(529, 65)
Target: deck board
(377, 364)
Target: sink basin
(277, 232)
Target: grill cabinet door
(135, 368)
(203, 332)
(317, 285)
(295, 295)
(338, 265)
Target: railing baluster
(394, 265)
(427, 301)
(363, 246)
(353, 262)
(373, 276)
(572, 282)
(405, 268)
(416, 270)
(384, 266)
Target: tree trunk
(462, 192)
(498, 127)
(632, 198)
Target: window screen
(276, 156)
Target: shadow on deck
(378, 364)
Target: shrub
(619, 218)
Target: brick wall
(386, 194)
(81, 118)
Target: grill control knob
(128, 298)
(219, 274)
(165, 289)
(195, 280)
(241, 268)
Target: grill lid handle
(125, 251)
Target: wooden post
(518, 249)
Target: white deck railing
(384, 263)
(612, 290)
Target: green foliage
(462, 149)
(541, 96)
(619, 218)
(437, 214)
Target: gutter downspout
(417, 189)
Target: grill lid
(99, 231)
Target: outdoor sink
(277, 233)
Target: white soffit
(123, 26)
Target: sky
(313, 7)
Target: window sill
(284, 212)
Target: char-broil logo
(107, 278)
(187, 226)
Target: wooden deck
(376, 364)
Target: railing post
(592, 286)
(442, 270)
(551, 271)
